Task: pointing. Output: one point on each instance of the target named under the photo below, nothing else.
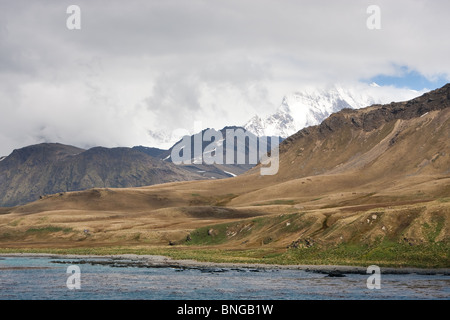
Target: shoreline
(156, 261)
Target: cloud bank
(141, 69)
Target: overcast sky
(137, 67)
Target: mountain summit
(310, 107)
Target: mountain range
(365, 186)
(32, 172)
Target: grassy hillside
(365, 186)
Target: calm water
(39, 278)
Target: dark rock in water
(239, 269)
(335, 274)
(211, 270)
(329, 273)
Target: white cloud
(154, 65)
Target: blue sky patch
(409, 79)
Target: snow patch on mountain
(229, 173)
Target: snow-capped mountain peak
(307, 108)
